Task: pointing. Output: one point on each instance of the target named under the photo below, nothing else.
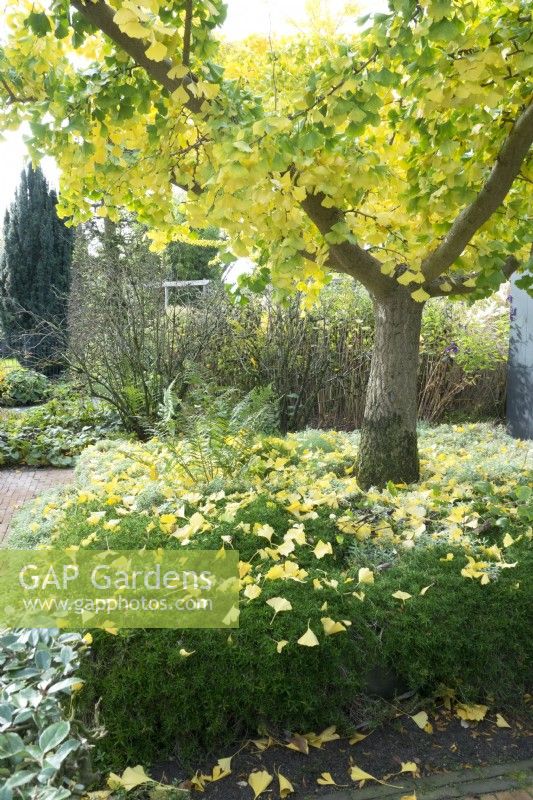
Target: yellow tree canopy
(397, 154)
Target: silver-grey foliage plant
(44, 750)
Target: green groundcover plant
(428, 585)
(55, 433)
(22, 387)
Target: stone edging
(448, 785)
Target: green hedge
(472, 505)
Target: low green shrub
(457, 546)
(23, 387)
(45, 752)
(475, 639)
(234, 685)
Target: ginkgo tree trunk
(397, 154)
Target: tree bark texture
(389, 450)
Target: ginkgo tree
(397, 154)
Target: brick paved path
(17, 486)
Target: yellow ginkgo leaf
(424, 590)
(252, 591)
(327, 735)
(399, 595)
(279, 604)
(281, 644)
(285, 786)
(323, 549)
(508, 540)
(198, 781)
(408, 797)
(298, 743)
(421, 719)
(358, 774)
(186, 653)
(357, 737)
(178, 71)
(134, 29)
(308, 639)
(326, 780)
(473, 712)
(409, 766)
(331, 627)
(219, 771)
(266, 531)
(122, 16)
(225, 763)
(130, 778)
(156, 52)
(365, 575)
(501, 722)
(259, 781)
(232, 616)
(420, 296)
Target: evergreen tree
(189, 262)
(35, 263)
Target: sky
(244, 18)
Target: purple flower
(452, 349)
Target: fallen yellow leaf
(323, 549)
(308, 639)
(357, 737)
(259, 781)
(331, 627)
(471, 712)
(399, 595)
(130, 778)
(318, 739)
(501, 722)
(299, 743)
(220, 771)
(326, 780)
(358, 774)
(365, 575)
(263, 744)
(421, 719)
(279, 604)
(198, 781)
(285, 786)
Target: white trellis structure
(180, 284)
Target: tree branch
(347, 257)
(510, 265)
(13, 98)
(493, 193)
(187, 32)
(101, 16)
